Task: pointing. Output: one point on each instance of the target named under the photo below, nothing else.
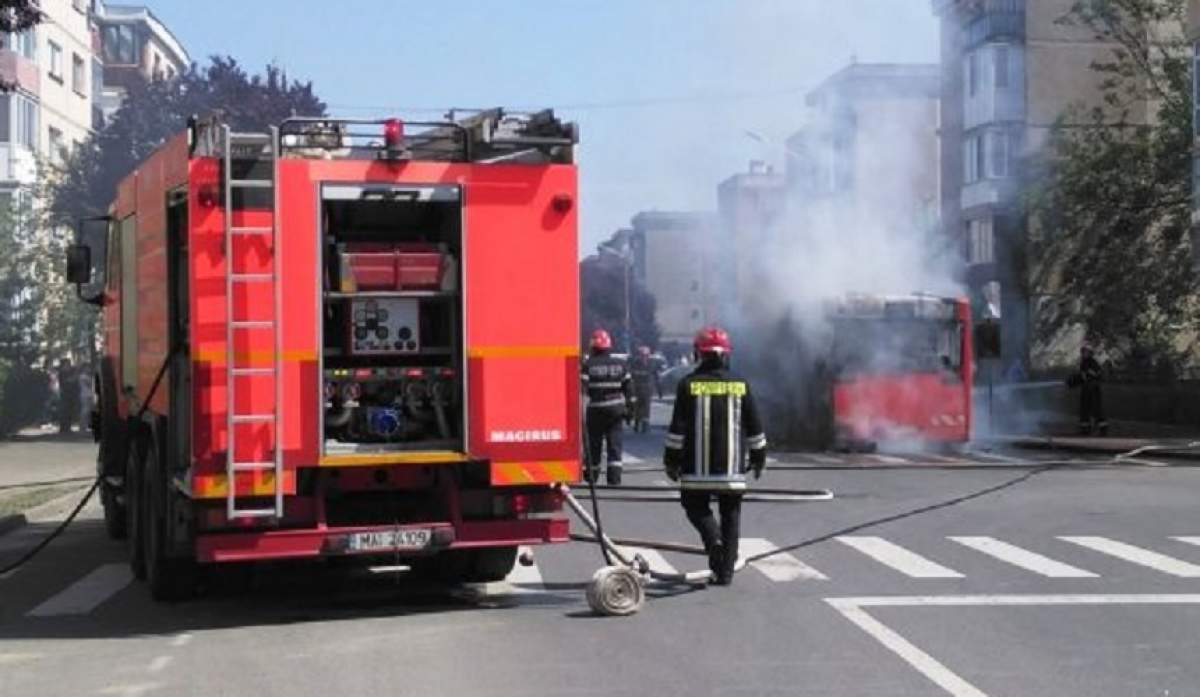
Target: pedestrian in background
(68, 395)
(642, 370)
(715, 438)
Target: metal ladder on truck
(255, 147)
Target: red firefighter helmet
(601, 341)
(713, 340)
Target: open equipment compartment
(392, 359)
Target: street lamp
(624, 254)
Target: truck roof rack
(487, 136)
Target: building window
(1196, 88)
(18, 120)
(120, 44)
(695, 286)
(56, 66)
(974, 158)
(24, 44)
(999, 154)
(1001, 64)
(980, 243)
(972, 73)
(58, 149)
(695, 314)
(78, 75)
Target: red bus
(902, 369)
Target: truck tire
(490, 564)
(115, 518)
(135, 512)
(169, 579)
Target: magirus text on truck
(339, 337)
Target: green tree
(1110, 196)
(153, 111)
(602, 287)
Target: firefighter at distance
(610, 401)
(1091, 399)
(715, 438)
(643, 369)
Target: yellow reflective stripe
(251, 359)
(523, 351)
(701, 388)
(427, 457)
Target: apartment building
(673, 257)
(1009, 70)
(134, 45)
(750, 205)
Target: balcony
(16, 69)
(18, 164)
(1001, 20)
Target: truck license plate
(390, 540)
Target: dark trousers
(725, 533)
(604, 427)
(641, 411)
(1091, 406)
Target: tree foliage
(1111, 194)
(602, 287)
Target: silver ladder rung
(253, 323)
(253, 371)
(252, 466)
(253, 277)
(252, 418)
(253, 513)
(252, 230)
(251, 183)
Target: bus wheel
(115, 523)
(169, 579)
(491, 564)
(135, 527)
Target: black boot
(614, 475)
(716, 563)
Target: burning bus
(900, 369)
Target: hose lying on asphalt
(51, 482)
(694, 577)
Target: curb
(11, 522)
(1051, 444)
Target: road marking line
(632, 459)
(656, 560)
(994, 457)
(823, 459)
(781, 567)
(525, 579)
(908, 563)
(1137, 555)
(939, 674)
(1031, 561)
(131, 690)
(1188, 539)
(87, 593)
(925, 664)
(11, 658)
(159, 663)
(889, 459)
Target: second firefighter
(610, 401)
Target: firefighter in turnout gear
(715, 438)
(1091, 399)
(642, 369)
(610, 401)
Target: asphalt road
(1068, 581)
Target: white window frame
(56, 144)
(1001, 66)
(56, 60)
(981, 241)
(79, 79)
(999, 157)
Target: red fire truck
(339, 337)
(902, 369)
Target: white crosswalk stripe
(629, 459)
(890, 554)
(656, 560)
(87, 593)
(1137, 555)
(781, 567)
(1189, 540)
(1030, 561)
(525, 579)
(887, 459)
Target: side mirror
(79, 264)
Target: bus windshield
(878, 346)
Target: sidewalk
(37, 467)
(1128, 438)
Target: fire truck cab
(340, 337)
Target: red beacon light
(393, 138)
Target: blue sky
(664, 90)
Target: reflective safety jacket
(607, 382)
(716, 433)
(643, 372)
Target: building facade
(134, 45)
(750, 205)
(1009, 71)
(1193, 35)
(673, 255)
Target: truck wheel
(115, 523)
(169, 579)
(135, 512)
(491, 564)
